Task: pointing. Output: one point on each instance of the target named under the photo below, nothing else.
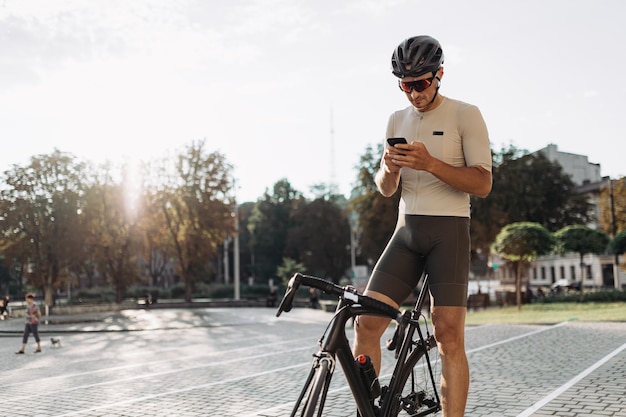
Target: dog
(56, 342)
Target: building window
(572, 270)
(562, 272)
(543, 272)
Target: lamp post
(236, 276)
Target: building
(577, 167)
(593, 271)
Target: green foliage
(212, 291)
(269, 224)
(527, 188)
(196, 203)
(618, 244)
(602, 296)
(140, 291)
(377, 215)
(532, 188)
(581, 240)
(178, 290)
(289, 267)
(523, 241)
(9, 284)
(39, 208)
(319, 237)
(94, 295)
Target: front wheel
(313, 404)
(414, 390)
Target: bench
(476, 301)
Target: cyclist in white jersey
(447, 159)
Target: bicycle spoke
(415, 389)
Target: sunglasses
(419, 85)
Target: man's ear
(440, 73)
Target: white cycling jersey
(453, 132)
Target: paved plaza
(246, 362)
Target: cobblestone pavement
(246, 362)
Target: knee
(449, 342)
(370, 327)
(449, 336)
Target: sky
(298, 89)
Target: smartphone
(394, 141)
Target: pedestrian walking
(4, 307)
(33, 315)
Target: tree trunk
(582, 278)
(188, 288)
(518, 285)
(48, 291)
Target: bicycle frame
(334, 346)
(337, 345)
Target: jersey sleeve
(476, 146)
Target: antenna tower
(332, 186)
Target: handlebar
(346, 292)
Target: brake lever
(395, 343)
(286, 304)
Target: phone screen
(394, 141)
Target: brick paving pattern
(245, 362)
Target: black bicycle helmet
(416, 56)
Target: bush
(140, 291)
(600, 296)
(94, 295)
(178, 290)
(605, 296)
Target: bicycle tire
(316, 397)
(414, 392)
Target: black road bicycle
(412, 387)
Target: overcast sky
(264, 81)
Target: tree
(196, 202)
(246, 255)
(285, 271)
(520, 243)
(319, 237)
(40, 208)
(531, 188)
(612, 202)
(376, 214)
(269, 222)
(112, 240)
(618, 244)
(156, 241)
(487, 214)
(582, 240)
(7, 279)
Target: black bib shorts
(437, 245)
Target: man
(447, 159)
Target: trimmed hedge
(600, 296)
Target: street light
(616, 268)
(236, 254)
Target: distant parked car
(565, 285)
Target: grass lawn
(548, 313)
